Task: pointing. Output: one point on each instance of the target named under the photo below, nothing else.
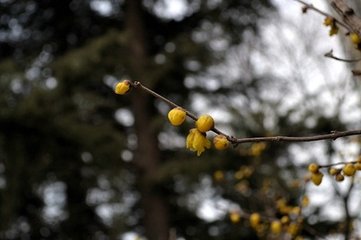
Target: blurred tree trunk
(148, 154)
(350, 49)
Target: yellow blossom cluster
(282, 228)
(348, 170)
(287, 224)
(290, 215)
(196, 140)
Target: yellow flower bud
(218, 175)
(220, 142)
(358, 166)
(349, 169)
(339, 177)
(316, 178)
(333, 171)
(305, 201)
(255, 219)
(257, 149)
(313, 168)
(293, 229)
(205, 123)
(285, 220)
(234, 216)
(276, 227)
(122, 87)
(355, 38)
(296, 211)
(334, 30)
(176, 116)
(281, 203)
(328, 21)
(197, 141)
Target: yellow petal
(197, 141)
(190, 139)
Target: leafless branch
(310, 6)
(333, 135)
(330, 55)
(348, 15)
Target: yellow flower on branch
(276, 227)
(305, 201)
(220, 142)
(293, 229)
(197, 141)
(349, 170)
(334, 30)
(313, 168)
(218, 176)
(257, 149)
(330, 21)
(355, 38)
(176, 116)
(234, 216)
(205, 123)
(334, 171)
(122, 87)
(255, 219)
(316, 178)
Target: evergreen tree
(61, 143)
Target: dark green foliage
(68, 135)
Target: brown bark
(147, 155)
(348, 15)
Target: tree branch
(330, 136)
(172, 104)
(310, 6)
(330, 55)
(348, 15)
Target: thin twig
(348, 15)
(138, 84)
(335, 164)
(330, 136)
(330, 55)
(172, 104)
(310, 6)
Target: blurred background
(79, 162)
